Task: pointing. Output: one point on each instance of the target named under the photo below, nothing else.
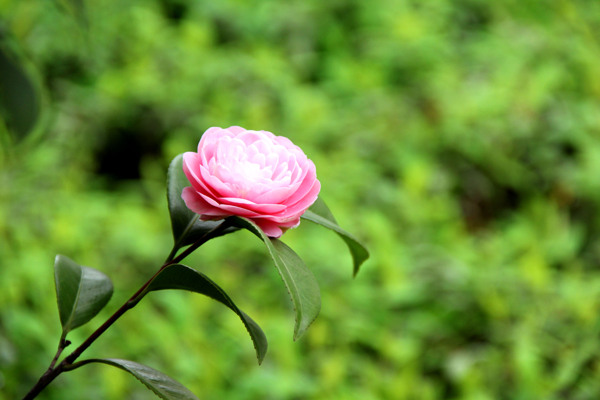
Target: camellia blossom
(251, 174)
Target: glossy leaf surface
(81, 292)
(320, 214)
(162, 385)
(182, 277)
(299, 280)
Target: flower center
(246, 172)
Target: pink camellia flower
(251, 174)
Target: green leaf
(77, 9)
(320, 214)
(186, 226)
(20, 94)
(179, 276)
(299, 280)
(163, 386)
(81, 292)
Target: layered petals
(251, 174)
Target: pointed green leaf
(299, 280)
(320, 214)
(163, 386)
(186, 226)
(179, 276)
(81, 292)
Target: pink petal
(251, 137)
(216, 186)
(306, 185)
(196, 203)
(271, 229)
(285, 142)
(302, 205)
(276, 195)
(193, 173)
(210, 136)
(242, 212)
(269, 209)
(229, 209)
(236, 130)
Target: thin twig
(68, 362)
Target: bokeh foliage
(458, 139)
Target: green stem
(177, 244)
(67, 362)
(62, 344)
(50, 373)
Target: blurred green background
(458, 139)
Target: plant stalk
(67, 363)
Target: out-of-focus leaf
(299, 280)
(81, 292)
(20, 99)
(320, 214)
(186, 226)
(179, 276)
(77, 9)
(163, 386)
